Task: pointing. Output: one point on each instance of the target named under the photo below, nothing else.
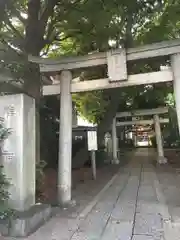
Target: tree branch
(3, 7)
(50, 30)
(46, 51)
(18, 15)
(10, 25)
(48, 12)
(17, 54)
(55, 38)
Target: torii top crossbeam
(116, 60)
(96, 59)
(142, 112)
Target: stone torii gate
(118, 76)
(156, 121)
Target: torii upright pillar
(175, 62)
(114, 143)
(161, 159)
(65, 139)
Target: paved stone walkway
(131, 207)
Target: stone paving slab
(124, 212)
(146, 237)
(169, 180)
(124, 209)
(82, 236)
(148, 207)
(93, 226)
(175, 213)
(129, 209)
(118, 230)
(148, 224)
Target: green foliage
(56, 28)
(173, 131)
(164, 25)
(91, 105)
(5, 211)
(127, 23)
(170, 100)
(39, 177)
(4, 132)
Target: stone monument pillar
(17, 112)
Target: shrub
(39, 178)
(5, 211)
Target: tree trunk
(32, 85)
(33, 44)
(105, 124)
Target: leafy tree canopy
(66, 27)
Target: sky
(83, 122)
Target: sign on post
(92, 140)
(92, 147)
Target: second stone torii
(156, 121)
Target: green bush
(39, 178)
(4, 133)
(5, 211)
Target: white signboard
(117, 68)
(92, 140)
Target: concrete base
(25, 223)
(115, 161)
(67, 205)
(162, 160)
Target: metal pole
(114, 141)
(65, 139)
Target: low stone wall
(25, 223)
